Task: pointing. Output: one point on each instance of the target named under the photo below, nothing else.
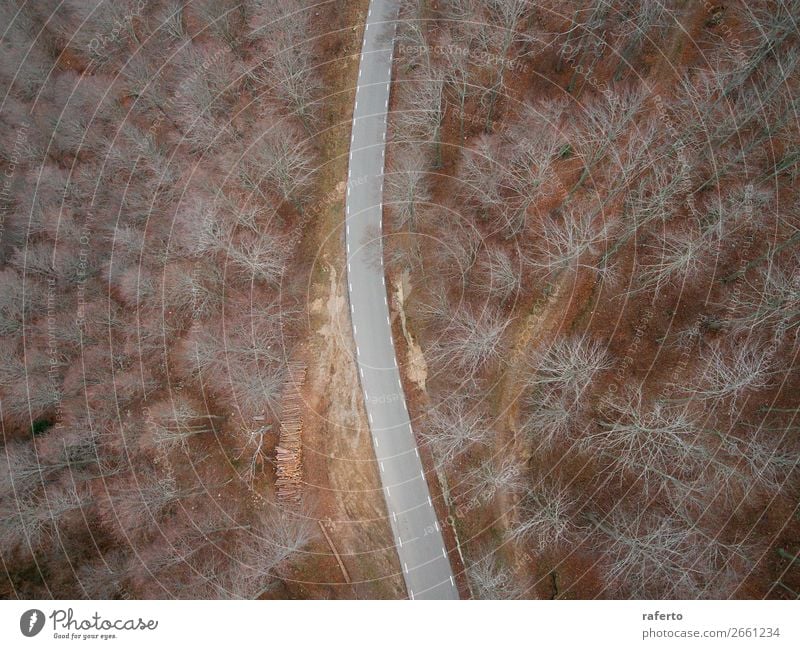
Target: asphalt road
(426, 567)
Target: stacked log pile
(289, 459)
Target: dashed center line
(366, 179)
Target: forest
(158, 158)
(590, 236)
(593, 224)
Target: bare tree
(289, 68)
(606, 119)
(434, 308)
(543, 518)
(412, 39)
(633, 31)
(527, 171)
(769, 28)
(295, 81)
(771, 301)
(731, 370)
(568, 364)
(203, 227)
(29, 521)
(105, 577)
(264, 552)
(498, 39)
(656, 197)
(494, 475)
(408, 187)
(462, 243)
(224, 19)
(584, 37)
(140, 150)
(556, 388)
(754, 464)
(35, 398)
(169, 19)
(259, 257)
(452, 427)
(655, 555)
(190, 294)
(24, 63)
(482, 174)
(656, 441)
(17, 300)
(261, 337)
(548, 417)
(731, 210)
(145, 84)
(573, 242)
(205, 352)
(256, 391)
(421, 117)
(208, 84)
(102, 31)
(490, 579)
(460, 84)
(252, 439)
(500, 276)
(255, 254)
(281, 159)
(470, 341)
(22, 470)
(505, 176)
(146, 497)
(679, 258)
(175, 423)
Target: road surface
(417, 534)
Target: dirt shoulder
(339, 465)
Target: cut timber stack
(289, 459)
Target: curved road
(426, 567)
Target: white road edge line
(368, 89)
